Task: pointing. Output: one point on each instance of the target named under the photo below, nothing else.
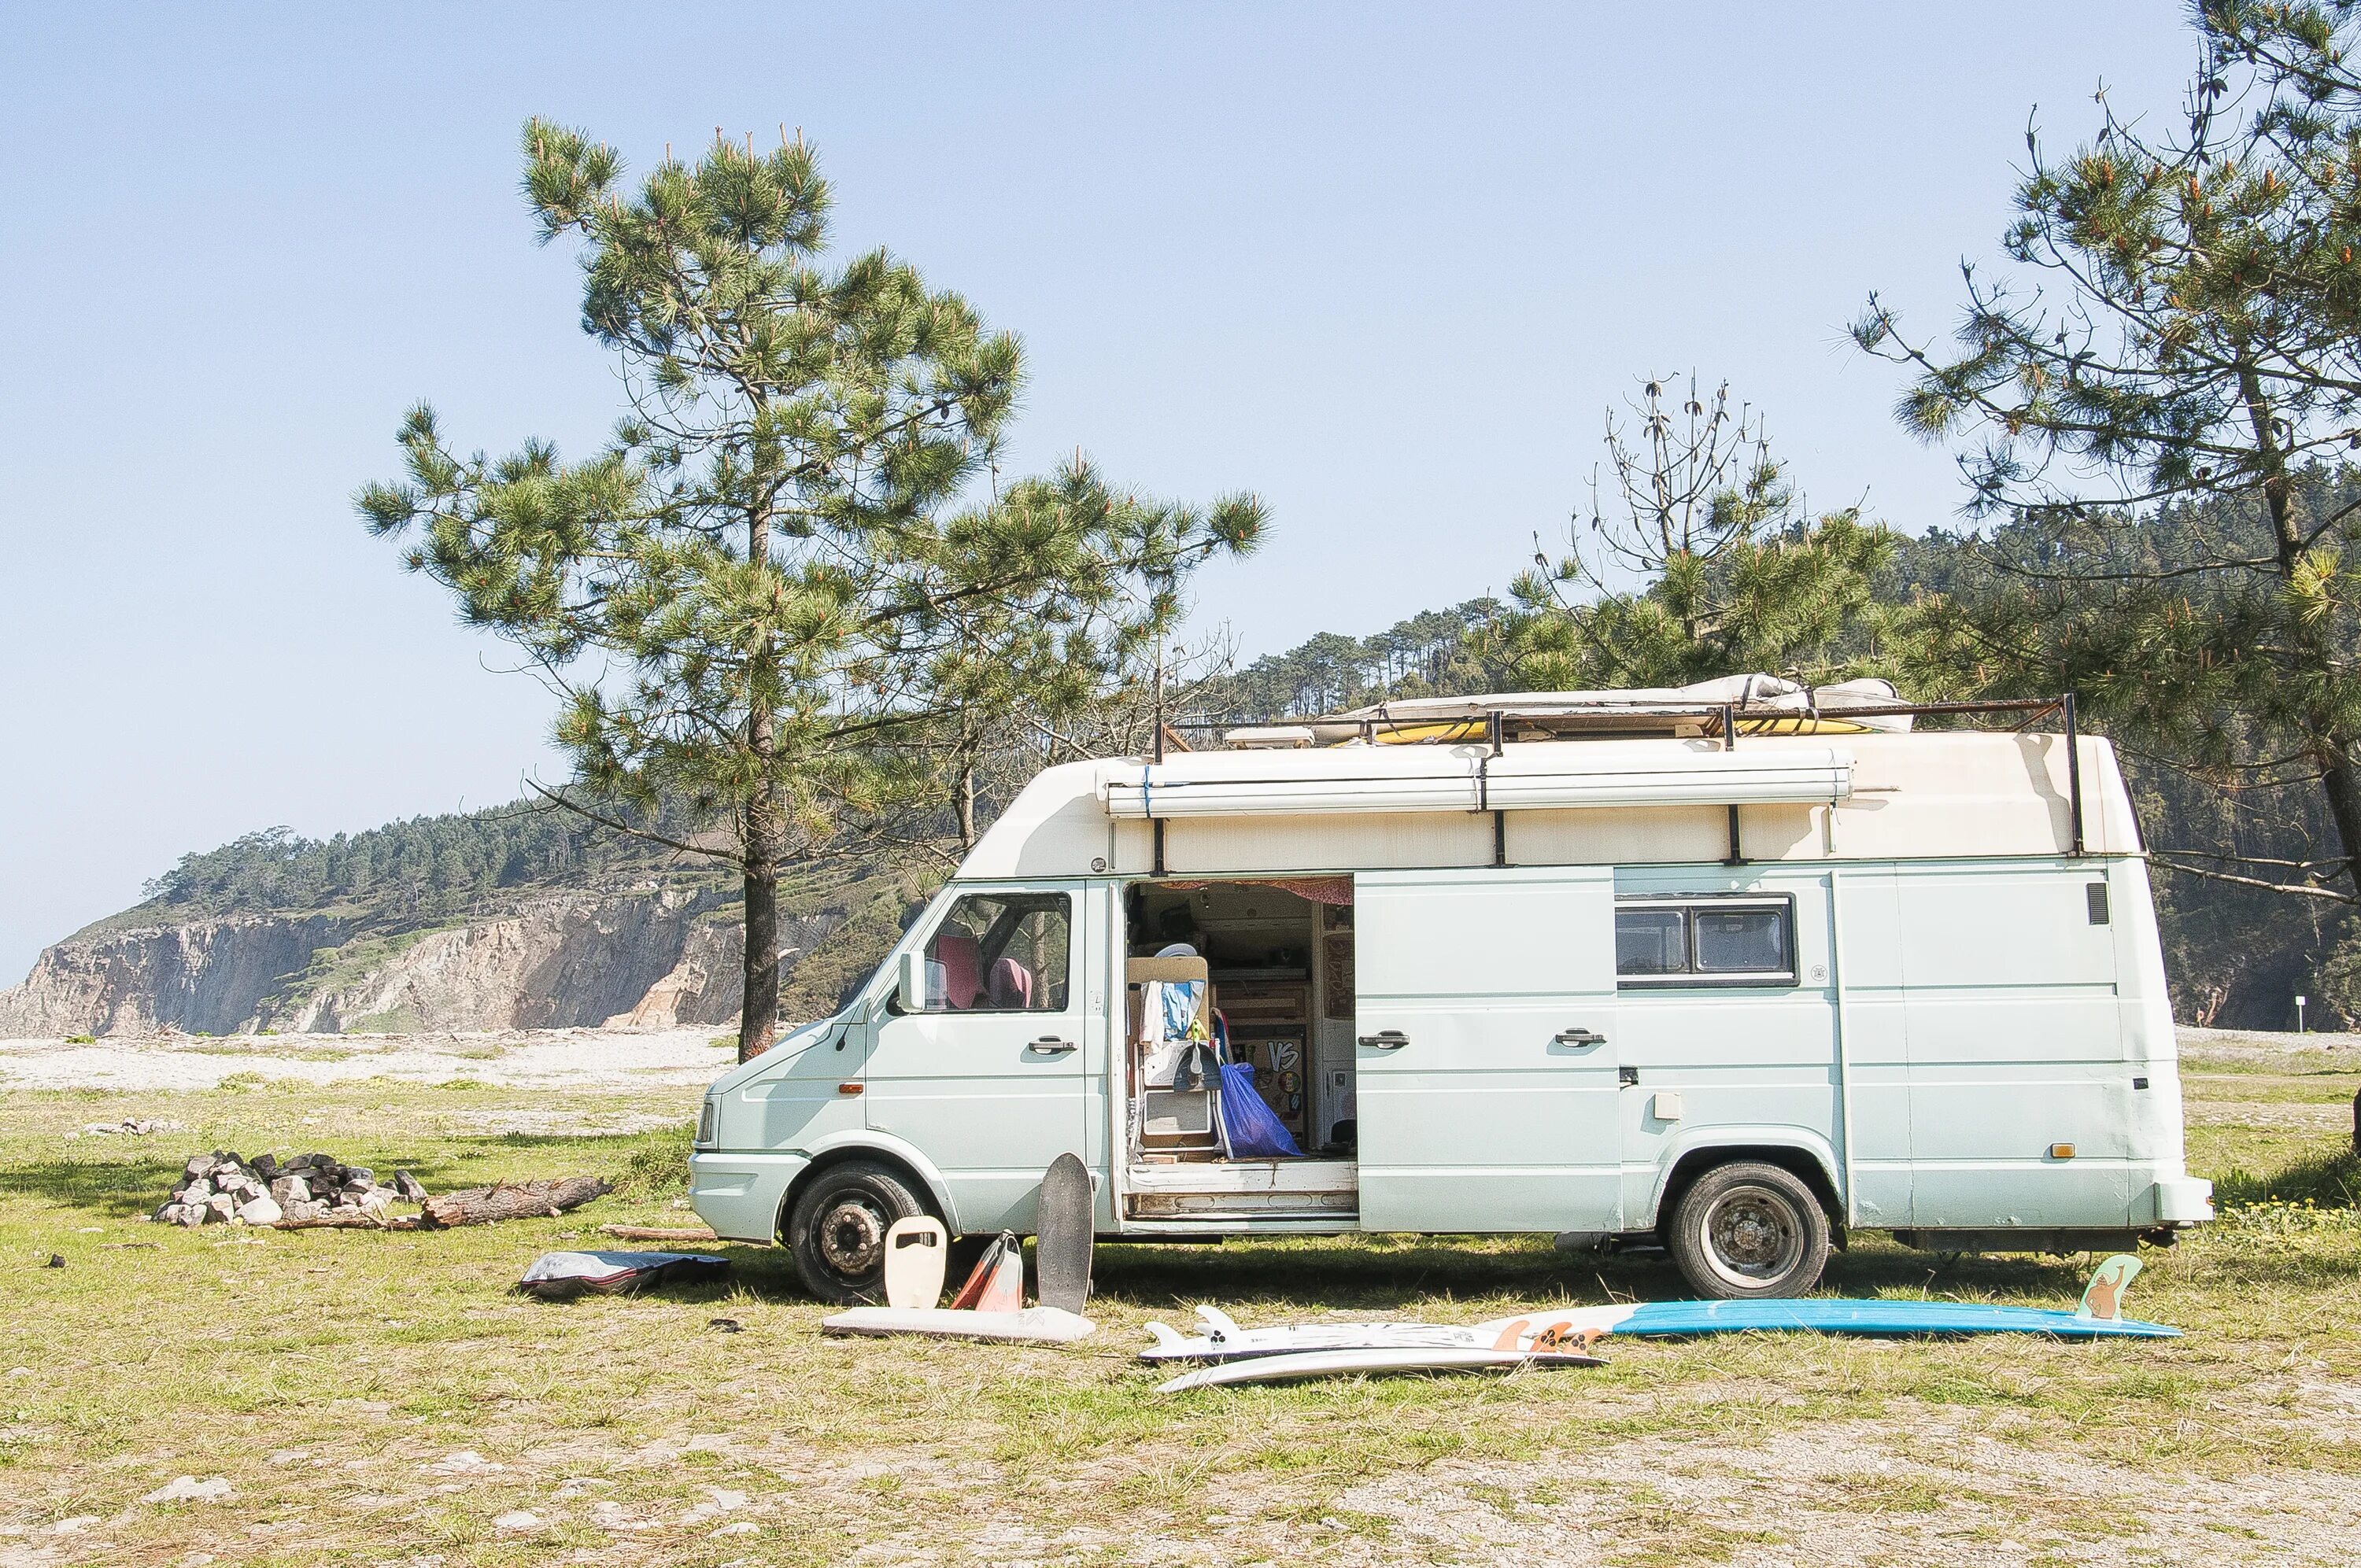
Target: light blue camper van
(1736, 968)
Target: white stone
(219, 1206)
(260, 1211)
(608, 1514)
(519, 1520)
(189, 1489)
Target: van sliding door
(1487, 1085)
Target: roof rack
(1532, 716)
(1496, 720)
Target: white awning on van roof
(1465, 778)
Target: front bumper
(740, 1195)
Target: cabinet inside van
(1237, 1056)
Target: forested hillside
(430, 866)
(1436, 652)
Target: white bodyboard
(1034, 1325)
(916, 1253)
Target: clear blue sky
(1385, 265)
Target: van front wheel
(1748, 1230)
(837, 1231)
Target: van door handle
(1050, 1046)
(1386, 1040)
(1580, 1037)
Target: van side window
(1001, 953)
(1740, 941)
(1705, 942)
(1651, 941)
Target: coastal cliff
(651, 956)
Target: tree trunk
(2338, 782)
(509, 1200)
(2341, 784)
(967, 803)
(767, 835)
(758, 1022)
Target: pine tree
(1704, 563)
(2178, 326)
(760, 601)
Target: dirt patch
(533, 1058)
(1852, 1493)
(2275, 1116)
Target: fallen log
(509, 1200)
(659, 1232)
(349, 1220)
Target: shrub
(2329, 1180)
(658, 1167)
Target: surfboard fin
(1218, 1326)
(2103, 1300)
(1165, 1336)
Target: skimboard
(1062, 1227)
(1347, 1362)
(1573, 1328)
(917, 1250)
(1032, 1325)
(998, 1283)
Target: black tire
(836, 1228)
(1748, 1230)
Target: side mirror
(910, 991)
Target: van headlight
(708, 1120)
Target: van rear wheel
(837, 1230)
(1748, 1230)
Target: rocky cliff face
(561, 961)
(655, 957)
(206, 976)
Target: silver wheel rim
(1752, 1235)
(851, 1238)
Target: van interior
(1239, 1047)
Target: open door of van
(1485, 1067)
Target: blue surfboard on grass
(1838, 1315)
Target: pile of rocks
(221, 1188)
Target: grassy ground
(379, 1398)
